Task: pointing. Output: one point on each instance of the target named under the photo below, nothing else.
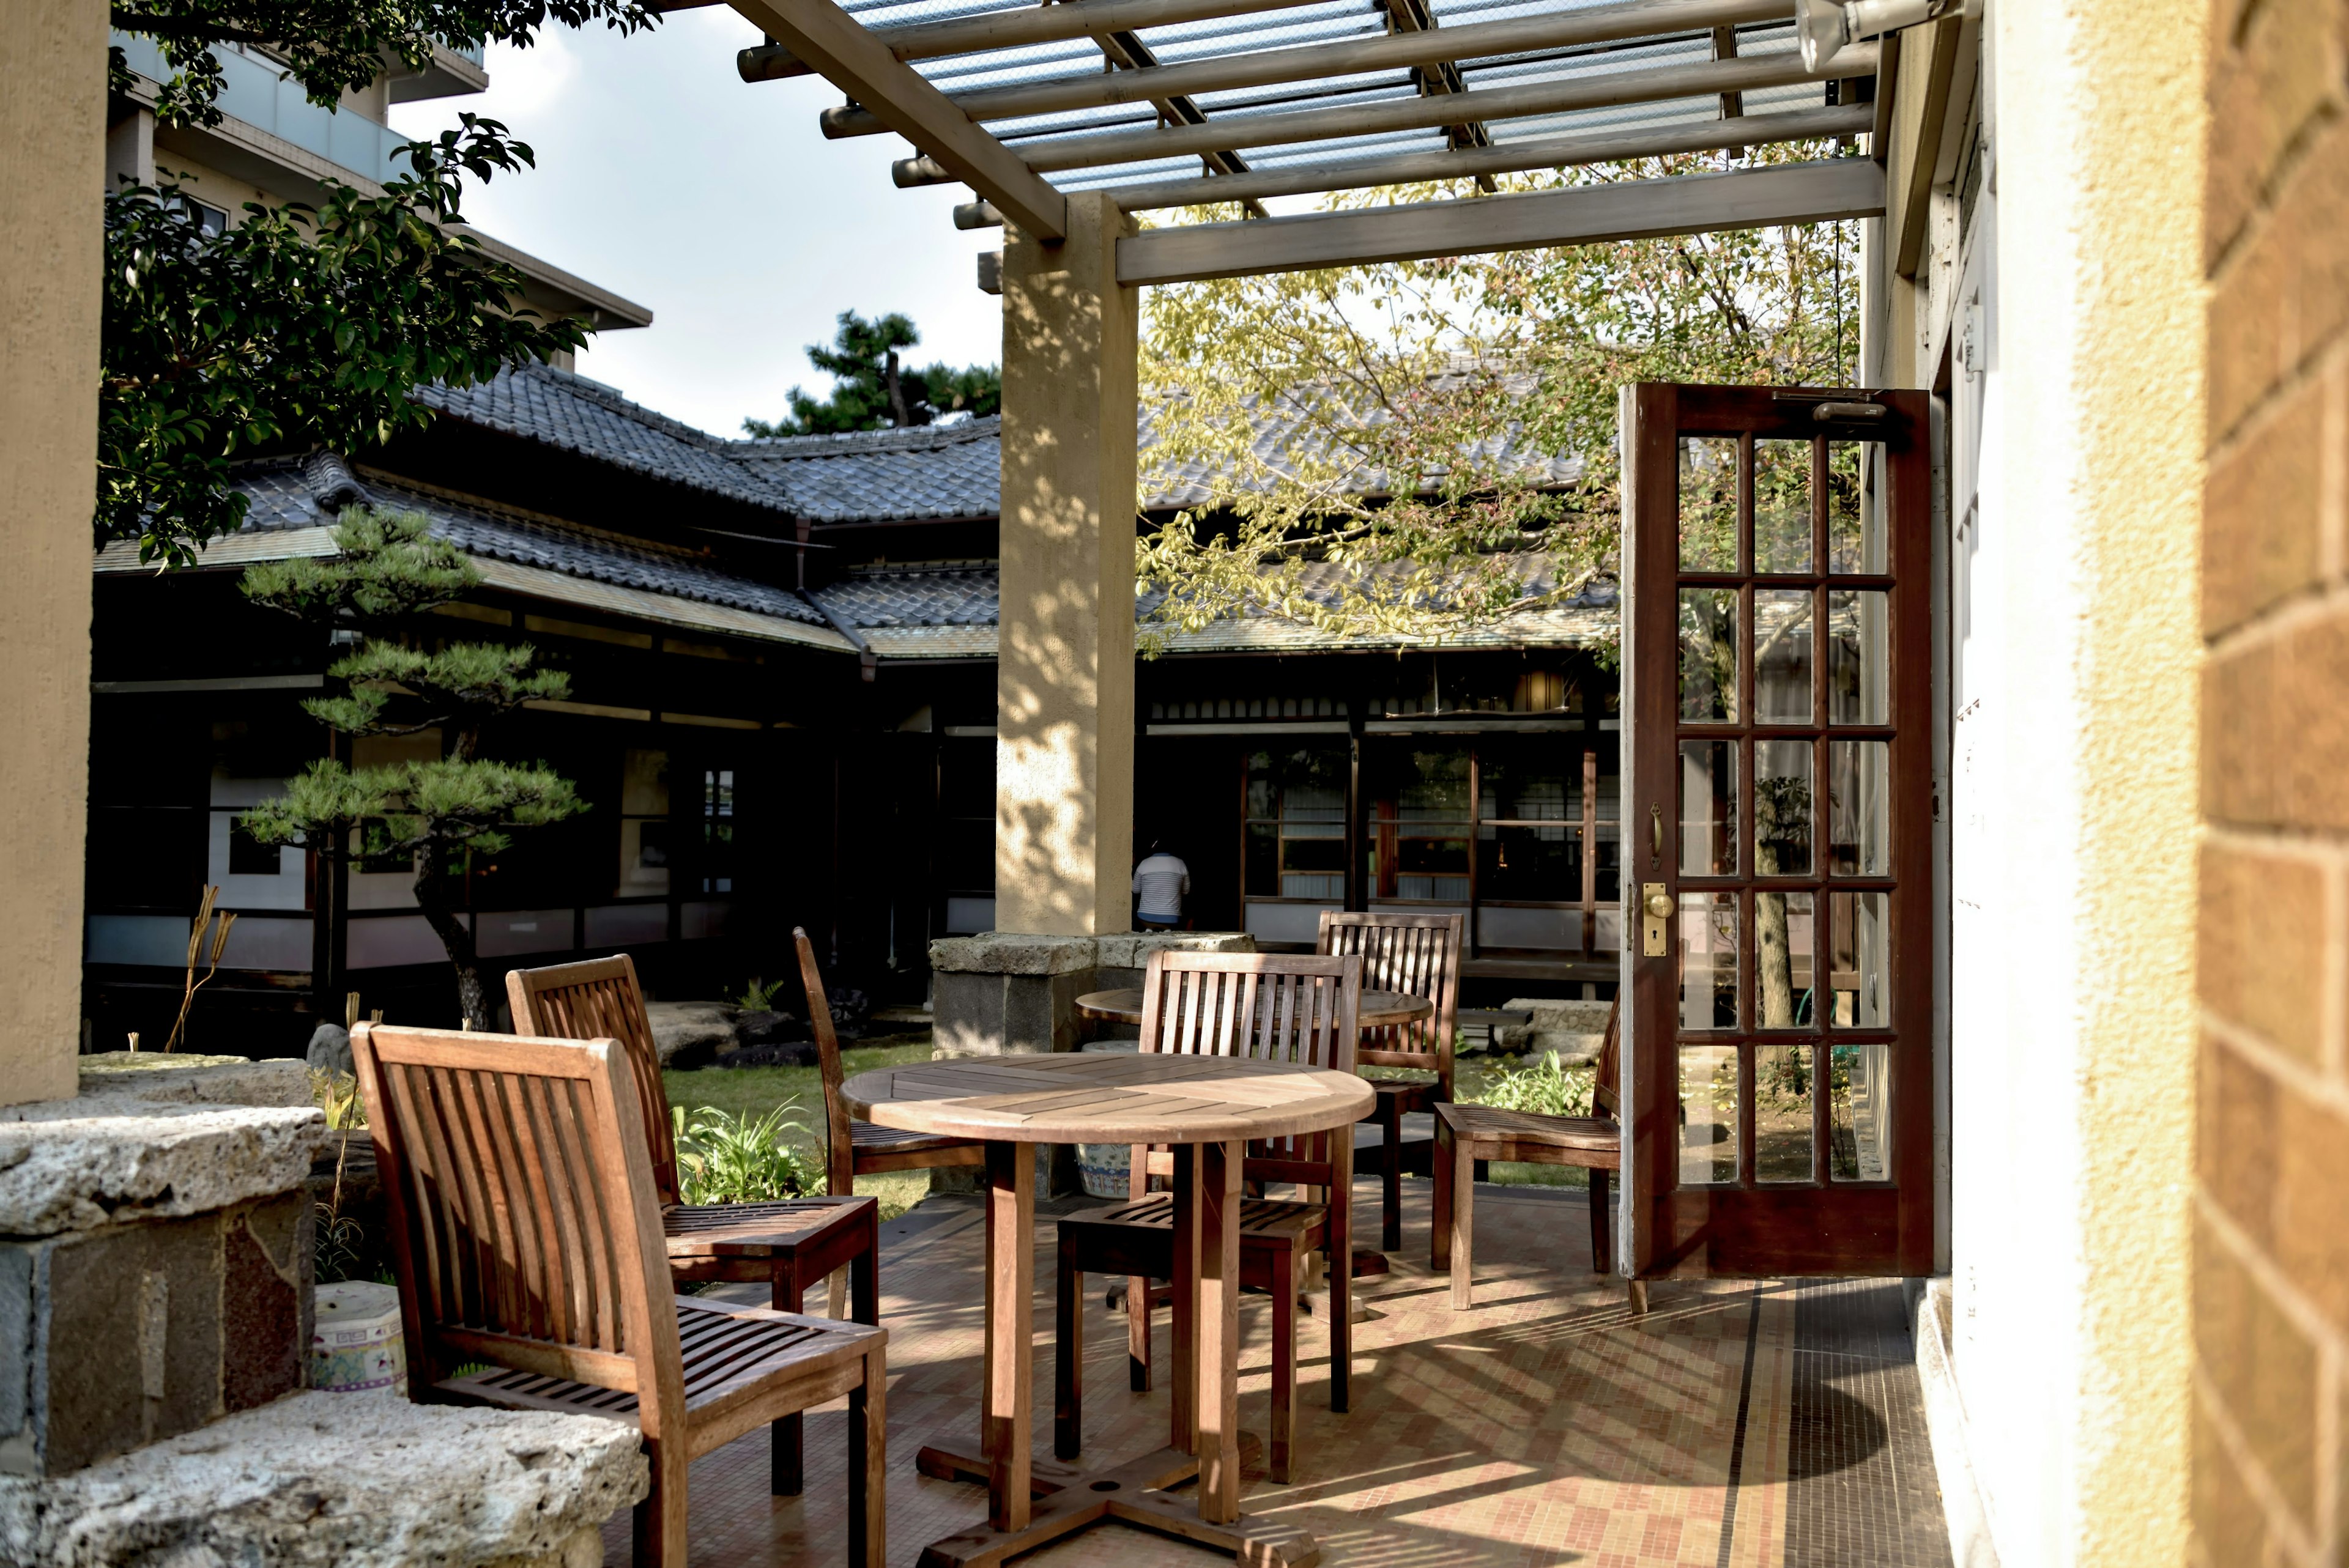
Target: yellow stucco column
(52, 169)
(1064, 661)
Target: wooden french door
(1777, 848)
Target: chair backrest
(1415, 954)
(1607, 1086)
(839, 1151)
(599, 999)
(1269, 1007)
(526, 1230)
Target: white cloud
(664, 178)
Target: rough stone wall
(2272, 1199)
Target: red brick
(2242, 741)
(2245, 327)
(2264, 1370)
(2309, 1241)
(2284, 298)
(2310, 710)
(2262, 514)
(2262, 936)
(2235, 1156)
(2265, 86)
(2229, 1525)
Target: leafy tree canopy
(1415, 406)
(871, 391)
(429, 813)
(298, 327)
(333, 47)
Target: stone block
(184, 1080)
(1013, 952)
(320, 1479)
(1002, 1014)
(1130, 950)
(688, 1033)
(1574, 1029)
(119, 1154)
(119, 1337)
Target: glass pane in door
(1859, 1098)
(1782, 927)
(1709, 808)
(1782, 506)
(1860, 830)
(1707, 1093)
(1859, 671)
(1709, 654)
(1781, 655)
(1708, 949)
(1782, 1113)
(1782, 808)
(1708, 503)
(1860, 976)
(1855, 537)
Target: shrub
(722, 1158)
(759, 996)
(1549, 1087)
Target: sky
(665, 179)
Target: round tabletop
(1379, 1009)
(1080, 1099)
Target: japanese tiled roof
(310, 493)
(935, 471)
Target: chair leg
(1068, 1356)
(1284, 1364)
(786, 1471)
(1638, 1298)
(1601, 1255)
(1439, 1230)
(658, 1525)
(868, 1460)
(1464, 1220)
(1341, 1271)
(1389, 1118)
(1137, 1334)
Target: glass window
(1782, 808)
(1858, 660)
(1781, 655)
(1784, 925)
(644, 823)
(1708, 957)
(1860, 1111)
(1297, 824)
(1709, 654)
(1782, 1113)
(1419, 808)
(1855, 495)
(1860, 975)
(1860, 790)
(1529, 833)
(1709, 808)
(718, 846)
(967, 815)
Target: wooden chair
(1468, 1135)
(526, 1233)
(1418, 954)
(788, 1244)
(1269, 1007)
(852, 1147)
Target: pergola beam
(1608, 90)
(1308, 62)
(855, 60)
(1466, 163)
(1586, 214)
(1047, 24)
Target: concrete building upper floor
(273, 145)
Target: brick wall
(2272, 1199)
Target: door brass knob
(1660, 904)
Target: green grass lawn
(757, 1091)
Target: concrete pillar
(52, 168)
(1064, 659)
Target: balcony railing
(257, 92)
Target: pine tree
(872, 390)
(433, 814)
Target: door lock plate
(1655, 909)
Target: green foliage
(725, 1157)
(412, 808)
(296, 327)
(759, 996)
(871, 391)
(389, 565)
(1408, 399)
(1546, 1087)
(338, 1095)
(334, 46)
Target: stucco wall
(2272, 1202)
(52, 168)
(2074, 786)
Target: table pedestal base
(1069, 1500)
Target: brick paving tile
(1545, 1426)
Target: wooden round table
(1209, 1109)
(1379, 1009)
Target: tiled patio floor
(1735, 1426)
